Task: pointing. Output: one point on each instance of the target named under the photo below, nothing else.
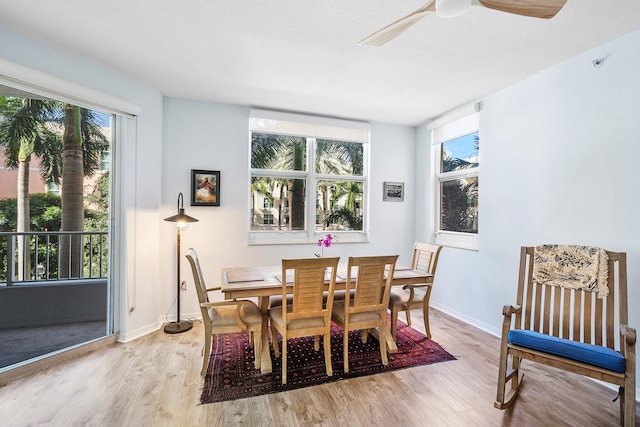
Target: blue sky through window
(463, 147)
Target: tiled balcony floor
(18, 345)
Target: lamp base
(178, 327)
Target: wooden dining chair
(367, 308)
(425, 258)
(223, 317)
(563, 319)
(306, 315)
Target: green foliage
(44, 210)
(46, 215)
(345, 216)
(97, 217)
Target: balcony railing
(38, 257)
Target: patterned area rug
(231, 374)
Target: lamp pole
(181, 220)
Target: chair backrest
(201, 289)
(371, 287)
(574, 314)
(309, 280)
(425, 257)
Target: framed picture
(205, 188)
(393, 192)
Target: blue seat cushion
(595, 355)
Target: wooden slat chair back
(223, 317)
(598, 326)
(425, 258)
(367, 308)
(307, 314)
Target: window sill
(457, 240)
(302, 238)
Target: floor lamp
(181, 220)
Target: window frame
(445, 131)
(311, 177)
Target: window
(105, 160)
(268, 219)
(457, 163)
(308, 176)
(53, 188)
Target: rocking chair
(563, 324)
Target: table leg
(392, 347)
(265, 361)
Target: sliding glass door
(55, 225)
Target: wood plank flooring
(154, 381)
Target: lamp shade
(181, 216)
(452, 8)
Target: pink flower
(325, 243)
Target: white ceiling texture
(304, 56)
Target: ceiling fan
(452, 8)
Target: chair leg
(274, 341)
(345, 354)
(425, 311)
(622, 406)
(502, 378)
(327, 352)
(629, 395)
(383, 345)
(365, 335)
(505, 398)
(284, 360)
(316, 342)
(394, 321)
(408, 312)
(257, 346)
(206, 352)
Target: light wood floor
(154, 381)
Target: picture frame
(205, 187)
(393, 191)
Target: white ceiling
(303, 55)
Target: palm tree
(82, 143)
(347, 214)
(283, 152)
(33, 127)
(72, 195)
(460, 197)
(23, 133)
(340, 158)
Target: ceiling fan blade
(532, 8)
(396, 28)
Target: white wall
(203, 135)
(560, 155)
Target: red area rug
(231, 374)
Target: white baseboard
(147, 329)
(466, 319)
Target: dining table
(263, 282)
